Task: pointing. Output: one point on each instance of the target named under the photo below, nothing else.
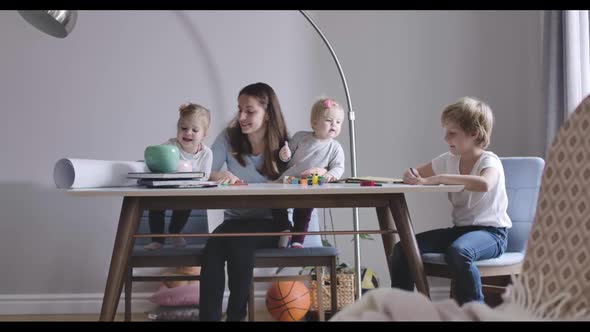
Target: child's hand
(285, 153)
(316, 170)
(329, 178)
(423, 181)
(412, 176)
(413, 180)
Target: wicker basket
(345, 289)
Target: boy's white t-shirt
(476, 208)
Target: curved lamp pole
(59, 23)
(351, 118)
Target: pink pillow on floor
(177, 296)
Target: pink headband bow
(183, 106)
(329, 103)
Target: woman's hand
(316, 170)
(285, 153)
(224, 177)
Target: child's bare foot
(179, 242)
(153, 246)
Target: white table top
(256, 189)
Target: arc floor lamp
(60, 23)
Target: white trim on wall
(50, 304)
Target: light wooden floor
(66, 318)
(261, 315)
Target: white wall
(106, 92)
(113, 86)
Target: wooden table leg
(319, 275)
(403, 223)
(334, 286)
(389, 239)
(128, 222)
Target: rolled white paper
(90, 173)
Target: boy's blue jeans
(462, 246)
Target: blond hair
(319, 108)
(473, 116)
(200, 112)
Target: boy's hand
(432, 180)
(316, 170)
(424, 181)
(411, 175)
(285, 153)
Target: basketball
(288, 301)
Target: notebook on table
(176, 183)
(165, 176)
